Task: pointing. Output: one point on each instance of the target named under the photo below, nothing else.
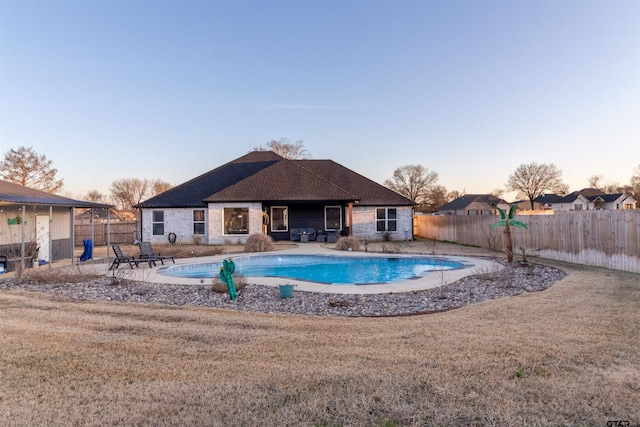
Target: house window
(279, 218)
(628, 205)
(487, 212)
(236, 220)
(157, 223)
(577, 207)
(198, 222)
(332, 218)
(386, 219)
(472, 212)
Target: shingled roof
(265, 176)
(463, 201)
(14, 194)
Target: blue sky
(111, 89)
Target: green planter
(286, 291)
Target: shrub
(259, 243)
(348, 243)
(239, 281)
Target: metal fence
(607, 239)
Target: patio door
(279, 219)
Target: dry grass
(565, 356)
(348, 244)
(259, 243)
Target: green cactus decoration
(226, 276)
(507, 221)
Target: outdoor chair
(121, 258)
(147, 253)
(334, 236)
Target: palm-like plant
(507, 221)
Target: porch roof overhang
(18, 195)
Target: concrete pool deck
(429, 281)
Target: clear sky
(111, 89)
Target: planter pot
(286, 291)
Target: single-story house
(540, 203)
(474, 204)
(37, 219)
(262, 192)
(593, 199)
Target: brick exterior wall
(364, 223)
(180, 222)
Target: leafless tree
(635, 183)
(534, 179)
(95, 196)
(158, 186)
(414, 182)
(497, 192)
(27, 168)
(596, 181)
(129, 192)
(287, 149)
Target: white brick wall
(215, 222)
(180, 222)
(364, 223)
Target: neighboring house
(262, 192)
(474, 204)
(593, 199)
(28, 215)
(540, 203)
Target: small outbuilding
(36, 226)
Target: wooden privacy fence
(116, 232)
(607, 239)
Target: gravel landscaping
(473, 289)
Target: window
(198, 222)
(577, 207)
(279, 218)
(236, 220)
(386, 219)
(157, 223)
(487, 212)
(332, 218)
(628, 205)
(472, 212)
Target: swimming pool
(337, 270)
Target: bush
(239, 281)
(348, 243)
(259, 243)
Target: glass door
(279, 219)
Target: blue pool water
(323, 269)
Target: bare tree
(413, 182)
(635, 183)
(435, 198)
(27, 168)
(158, 186)
(95, 196)
(497, 192)
(532, 180)
(129, 192)
(287, 149)
(454, 194)
(596, 181)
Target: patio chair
(121, 258)
(147, 253)
(334, 236)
